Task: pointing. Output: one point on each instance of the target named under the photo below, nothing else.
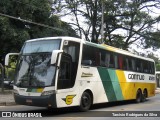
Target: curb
(157, 92)
(7, 104)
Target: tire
(86, 102)
(144, 96)
(138, 96)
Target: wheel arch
(90, 92)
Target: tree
(15, 28)
(157, 67)
(132, 18)
(86, 10)
(125, 21)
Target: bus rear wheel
(144, 97)
(138, 96)
(86, 102)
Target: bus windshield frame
(34, 67)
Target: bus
(56, 72)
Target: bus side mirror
(54, 56)
(7, 57)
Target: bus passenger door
(64, 78)
(66, 82)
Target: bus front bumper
(41, 101)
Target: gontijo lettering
(136, 77)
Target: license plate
(29, 101)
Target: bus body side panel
(90, 79)
(122, 85)
(87, 79)
(67, 98)
(111, 84)
(131, 85)
(114, 85)
(106, 85)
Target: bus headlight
(48, 92)
(15, 91)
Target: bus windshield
(34, 68)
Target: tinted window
(72, 49)
(98, 57)
(129, 64)
(91, 56)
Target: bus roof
(102, 46)
(60, 37)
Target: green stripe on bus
(116, 85)
(107, 84)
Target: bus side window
(91, 56)
(133, 64)
(129, 62)
(102, 60)
(88, 56)
(152, 68)
(145, 67)
(111, 60)
(97, 57)
(116, 61)
(120, 62)
(138, 65)
(107, 59)
(124, 63)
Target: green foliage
(152, 40)
(156, 59)
(10, 74)
(157, 67)
(14, 32)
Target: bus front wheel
(86, 102)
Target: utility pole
(102, 23)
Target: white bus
(65, 71)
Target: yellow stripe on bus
(129, 89)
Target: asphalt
(7, 99)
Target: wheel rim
(144, 95)
(138, 96)
(86, 101)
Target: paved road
(97, 111)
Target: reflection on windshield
(35, 70)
